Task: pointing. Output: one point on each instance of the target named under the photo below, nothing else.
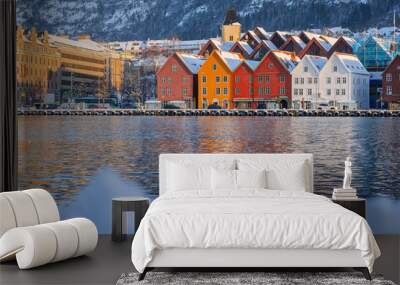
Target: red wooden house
(177, 80)
(272, 80)
(293, 44)
(242, 85)
(391, 84)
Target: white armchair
(31, 230)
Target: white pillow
(251, 178)
(188, 177)
(281, 174)
(223, 179)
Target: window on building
(388, 77)
(334, 68)
(184, 79)
(296, 80)
(251, 79)
(251, 91)
(328, 92)
(204, 79)
(305, 68)
(315, 80)
(225, 78)
(296, 91)
(302, 80)
(217, 78)
(169, 91)
(225, 90)
(328, 80)
(169, 80)
(267, 78)
(184, 91)
(267, 90)
(338, 80)
(309, 92)
(301, 92)
(260, 90)
(214, 66)
(389, 90)
(162, 91)
(237, 91)
(237, 78)
(204, 90)
(174, 68)
(259, 78)
(270, 65)
(231, 38)
(337, 91)
(282, 78)
(309, 80)
(282, 90)
(217, 90)
(343, 91)
(344, 80)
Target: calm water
(85, 161)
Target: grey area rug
(243, 278)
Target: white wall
(301, 85)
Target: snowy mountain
(195, 19)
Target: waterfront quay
(213, 112)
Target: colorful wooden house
(215, 80)
(391, 84)
(243, 48)
(272, 80)
(262, 49)
(243, 91)
(293, 44)
(177, 80)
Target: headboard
(210, 158)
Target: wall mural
(98, 103)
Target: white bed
(280, 225)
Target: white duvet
(250, 219)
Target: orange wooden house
(215, 80)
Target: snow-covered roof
(317, 61)
(310, 35)
(298, 40)
(245, 46)
(282, 34)
(289, 59)
(252, 64)
(330, 40)
(84, 43)
(269, 44)
(191, 61)
(263, 32)
(254, 35)
(375, 75)
(232, 59)
(350, 41)
(351, 63)
(325, 44)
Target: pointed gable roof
(351, 63)
(297, 42)
(266, 44)
(245, 48)
(278, 38)
(394, 61)
(318, 62)
(288, 60)
(191, 61)
(230, 60)
(307, 36)
(323, 45)
(215, 44)
(261, 33)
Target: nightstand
(358, 205)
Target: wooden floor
(110, 260)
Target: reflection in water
(85, 161)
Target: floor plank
(111, 259)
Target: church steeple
(231, 26)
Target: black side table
(358, 205)
(139, 205)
